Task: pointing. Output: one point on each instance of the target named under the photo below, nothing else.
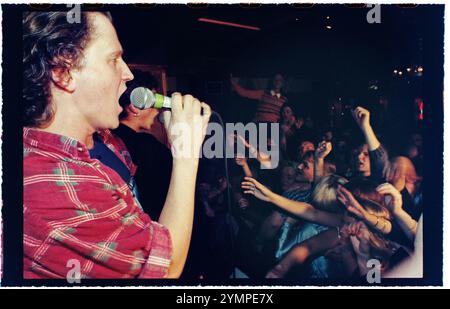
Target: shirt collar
(60, 144)
(274, 94)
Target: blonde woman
(352, 246)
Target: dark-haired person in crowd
(370, 158)
(372, 162)
(151, 156)
(75, 207)
(297, 149)
(270, 100)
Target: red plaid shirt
(76, 208)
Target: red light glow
(225, 23)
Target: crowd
(337, 200)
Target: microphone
(144, 98)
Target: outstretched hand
(395, 201)
(255, 188)
(350, 203)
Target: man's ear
(62, 78)
(133, 110)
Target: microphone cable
(227, 176)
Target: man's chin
(114, 125)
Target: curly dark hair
(49, 42)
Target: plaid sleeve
(70, 216)
(160, 256)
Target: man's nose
(126, 73)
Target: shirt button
(80, 149)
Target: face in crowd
(305, 147)
(278, 82)
(361, 160)
(287, 113)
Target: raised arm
(246, 93)
(322, 151)
(378, 156)
(243, 163)
(303, 210)
(362, 118)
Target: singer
(81, 219)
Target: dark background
(325, 63)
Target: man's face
(361, 160)
(148, 118)
(101, 79)
(278, 82)
(306, 170)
